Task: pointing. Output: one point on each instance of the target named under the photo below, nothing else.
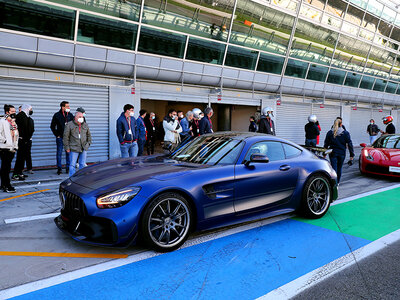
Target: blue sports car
(214, 180)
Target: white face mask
(372, 123)
(84, 114)
(67, 110)
(153, 117)
(80, 120)
(131, 114)
(173, 117)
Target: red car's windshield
(388, 142)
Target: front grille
(377, 169)
(74, 205)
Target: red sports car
(383, 157)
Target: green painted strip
(370, 217)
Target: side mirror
(257, 158)
(363, 145)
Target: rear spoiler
(319, 151)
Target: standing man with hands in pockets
(127, 132)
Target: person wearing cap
(60, 119)
(26, 128)
(77, 140)
(82, 110)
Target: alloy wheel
(318, 195)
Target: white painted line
(44, 283)
(30, 218)
(308, 280)
(24, 186)
(347, 199)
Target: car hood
(385, 155)
(122, 172)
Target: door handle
(284, 168)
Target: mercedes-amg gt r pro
(383, 157)
(214, 180)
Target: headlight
(117, 198)
(367, 155)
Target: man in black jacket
(267, 125)
(312, 131)
(60, 119)
(373, 131)
(206, 123)
(26, 128)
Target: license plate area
(394, 169)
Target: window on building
(391, 87)
(350, 53)
(384, 28)
(241, 58)
(107, 32)
(260, 27)
(330, 20)
(354, 15)
(367, 82)
(317, 72)
(380, 85)
(296, 68)
(205, 51)
(161, 42)
(197, 17)
(313, 43)
(336, 7)
(270, 63)
(336, 76)
(396, 33)
(38, 18)
(370, 22)
(352, 79)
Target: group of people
(136, 134)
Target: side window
(273, 150)
(291, 151)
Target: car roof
(247, 135)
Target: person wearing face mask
(267, 125)
(151, 126)
(186, 124)
(127, 132)
(82, 110)
(372, 130)
(172, 130)
(26, 127)
(197, 115)
(77, 140)
(60, 119)
(8, 145)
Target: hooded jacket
(123, 129)
(338, 144)
(26, 126)
(169, 126)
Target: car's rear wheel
(316, 197)
(166, 222)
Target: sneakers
(18, 177)
(9, 189)
(59, 172)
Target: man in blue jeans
(127, 132)
(60, 119)
(142, 131)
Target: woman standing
(338, 139)
(8, 146)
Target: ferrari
(382, 157)
(215, 180)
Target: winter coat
(338, 144)
(266, 126)
(6, 140)
(59, 121)
(185, 127)
(26, 126)
(123, 129)
(75, 141)
(151, 127)
(311, 130)
(253, 127)
(169, 126)
(142, 130)
(373, 129)
(205, 126)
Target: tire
(316, 197)
(359, 165)
(166, 222)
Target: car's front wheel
(166, 222)
(316, 197)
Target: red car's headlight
(367, 155)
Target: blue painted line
(245, 265)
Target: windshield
(389, 142)
(210, 150)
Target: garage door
(359, 120)
(326, 116)
(290, 120)
(45, 99)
